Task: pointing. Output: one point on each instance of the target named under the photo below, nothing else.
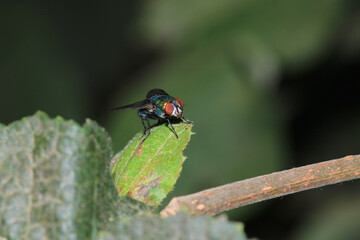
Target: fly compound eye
(169, 108)
(180, 102)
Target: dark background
(269, 86)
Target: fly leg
(186, 121)
(146, 128)
(173, 130)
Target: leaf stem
(216, 200)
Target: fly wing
(138, 105)
(156, 91)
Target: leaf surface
(179, 227)
(54, 178)
(147, 170)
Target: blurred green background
(269, 85)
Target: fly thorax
(152, 109)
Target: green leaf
(54, 179)
(55, 183)
(181, 227)
(147, 170)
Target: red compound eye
(180, 102)
(169, 108)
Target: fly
(158, 105)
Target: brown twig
(216, 200)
